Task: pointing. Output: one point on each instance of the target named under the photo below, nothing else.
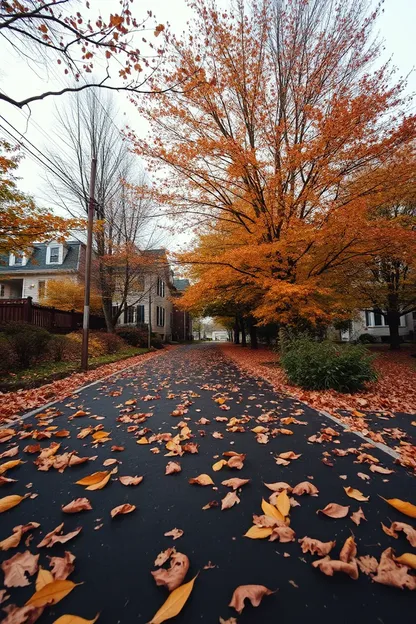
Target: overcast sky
(396, 27)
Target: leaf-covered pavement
(114, 556)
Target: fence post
(27, 312)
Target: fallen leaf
(363, 476)
(356, 494)
(174, 603)
(174, 576)
(8, 502)
(4, 480)
(202, 479)
(357, 516)
(283, 503)
(51, 593)
(94, 478)
(172, 467)
(316, 547)
(16, 568)
(122, 509)
(333, 510)
(130, 480)
(18, 531)
(12, 452)
(43, 578)
(75, 619)
(256, 532)
(62, 567)
(305, 488)
(408, 559)
(78, 504)
(389, 572)
(164, 556)
(349, 550)
(404, 507)
(79, 413)
(101, 484)
(117, 448)
(235, 483)
(219, 464)
(229, 501)
(254, 593)
(9, 465)
(110, 462)
(279, 486)
(367, 564)
(289, 455)
(53, 537)
(328, 566)
(175, 533)
(282, 533)
(271, 511)
(408, 530)
(380, 469)
(22, 615)
(228, 621)
(236, 461)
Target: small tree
(67, 294)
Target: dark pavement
(115, 561)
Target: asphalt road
(114, 561)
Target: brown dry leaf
(174, 603)
(8, 502)
(380, 469)
(78, 504)
(64, 433)
(349, 550)
(172, 467)
(164, 556)
(333, 510)
(254, 593)
(174, 576)
(389, 572)
(110, 462)
(328, 566)
(22, 615)
(62, 567)
(305, 487)
(357, 516)
(316, 547)
(228, 621)
(122, 509)
(175, 533)
(54, 538)
(117, 448)
(408, 559)
(404, 507)
(266, 521)
(12, 452)
(4, 480)
(408, 530)
(367, 564)
(289, 455)
(93, 478)
(236, 461)
(256, 532)
(235, 483)
(355, 494)
(202, 479)
(75, 619)
(229, 501)
(43, 578)
(18, 531)
(16, 568)
(219, 464)
(130, 480)
(283, 503)
(79, 413)
(279, 486)
(271, 511)
(282, 533)
(210, 505)
(363, 476)
(51, 593)
(10, 464)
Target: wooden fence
(56, 321)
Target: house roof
(181, 284)
(37, 260)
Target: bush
(27, 342)
(8, 357)
(322, 365)
(112, 343)
(58, 348)
(134, 336)
(367, 339)
(96, 347)
(156, 342)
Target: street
(114, 557)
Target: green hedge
(323, 365)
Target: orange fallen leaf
(101, 484)
(316, 547)
(271, 511)
(175, 533)
(408, 559)
(43, 578)
(122, 509)
(404, 507)
(357, 516)
(100, 435)
(256, 532)
(93, 478)
(172, 467)
(202, 479)
(305, 487)
(219, 464)
(380, 469)
(254, 593)
(8, 502)
(235, 483)
(333, 510)
(283, 503)
(279, 486)
(78, 504)
(110, 462)
(52, 593)
(10, 464)
(79, 413)
(356, 494)
(75, 619)
(229, 501)
(130, 480)
(174, 603)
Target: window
(54, 254)
(18, 259)
(41, 289)
(160, 287)
(130, 314)
(160, 316)
(140, 314)
(376, 319)
(1, 290)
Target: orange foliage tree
(67, 294)
(262, 152)
(21, 222)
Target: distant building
(181, 320)
(373, 322)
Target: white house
(372, 322)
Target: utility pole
(149, 325)
(88, 258)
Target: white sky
(396, 27)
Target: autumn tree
(67, 294)
(89, 47)
(21, 222)
(287, 108)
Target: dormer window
(54, 254)
(17, 259)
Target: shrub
(322, 365)
(112, 342)
(96, 347)
(27, 342)
(367, 339)
(134, 336)
(58, 348)
(8, 357)
(156, 342)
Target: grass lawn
(43, 373)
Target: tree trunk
(236, 332)
(393, 320)
(253, 334)
(108, 314)
(243, 332)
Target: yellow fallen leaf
(202, 479)
(8, 502)
(75, 619)
(93, 478)
(219, 464)
(283, 503)
(356, 494)
(100, 435)
(405, 507)
(256, 532)
(10, 464)
(408, 559)
(174, 603)
(143, 440)
(102, 483)
(44, 578)
(270, 510)
(79, 413)
(52, 593)
(259, 429)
